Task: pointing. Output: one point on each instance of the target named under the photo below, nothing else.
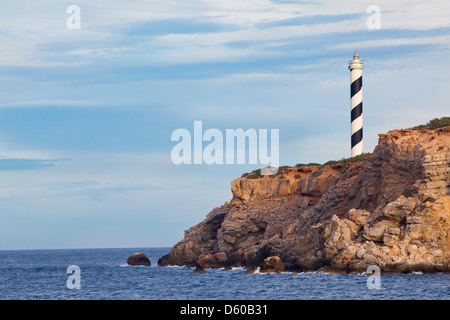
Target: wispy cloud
(172, 33)
(46, 103)
(24, 164)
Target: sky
(86, 114)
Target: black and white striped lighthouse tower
(356, 67)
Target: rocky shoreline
(391, 210)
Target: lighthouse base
(357, 149)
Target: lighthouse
(356, 67)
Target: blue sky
(86, 115)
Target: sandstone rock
(399, 209)
(376, 232)
(338, 234)
(217, 260)
(359, 216)
(272, 264)
(138, 259)
(198, 239)
(391, 236)
(352, 226)
(346, 255)
(303, 202)
(247, 190)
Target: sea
(103, 274)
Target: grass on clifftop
(357, 158)
(299, 165)
(436, 123)
(256, 174)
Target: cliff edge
(391, 210)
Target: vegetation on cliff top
(430, 125)
(357, 158)
(434, 124)
(299, 165)
(256, 174)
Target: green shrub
(430, 199)
(357, 158)
(255, 174)
(298, 165)
(283, 169)
(331, 162)
(317, 173)
(407, 193)
(297, 176)
(434, 124)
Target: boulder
(391, 236)
(399, 209)
(375, 232)
(217, 260)
(199, 269)
(272, 264)
(138, 259)
(359, 216)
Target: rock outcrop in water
(138, 259)
(391, 210)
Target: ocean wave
(237, 269)
(177, 267)
(258, 271)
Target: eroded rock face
(391, 210)
(418, 243)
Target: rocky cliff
(391, 210)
